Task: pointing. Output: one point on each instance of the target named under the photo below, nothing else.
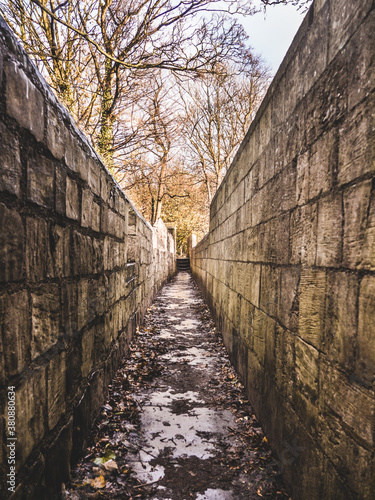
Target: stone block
(312, 53)
(368, 249)
(93, 180)
(11, 245)
(365, 339)
(11, 170)
(356, 210)
(31, 401)
(306, 390)
(329, 234)
(288, 299)
(45, 320)
(87, 203)
(322, 164)
(252, 283)
(56, 389)
(40, 181)
(69, 308)
(269, 289)
(360, 59)
(60, 197)
(55, 133)
(105, 186)
(302, 182)
(349, 404)
(14, 332)
(303, 234)
(345, 19)
(341, 318)
(72, 199)
(312, 306)
(24, 102)
(332, 104)
(83, 303)
(98, 259)
(88, 351)
(357, 143)
(285, 361)
(38, 256)
(83, 254)
(59, 240)
(263, 333)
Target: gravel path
(177, 424)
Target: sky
(271, 33)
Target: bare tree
(94, 52)
(218, 111)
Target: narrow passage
(176, 424)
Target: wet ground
(176, 424)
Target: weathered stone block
(105, 186)
(285, 361)
(306, 391)
(303, 234)
(88, 354)
(288, 300)
(94, 176)
(55, 133)
(24, 102)
(360, 59)
(72, 199)
(40, 181)
(269, 290)
(303, 176)
(313, 51)
(11, 170)
(31, 400)
(83, 303)
(38, 258)
(345, 19)
(311, 306)
(263, 333)
(356, 210)
(11, 244)
(60, 182)
(366, 321)
(56, 389)
(83, 254)
(357, 143)
(368, 249)
(329, 234)
(341, 318)
(87, 202)
(350, 402)
(45, 321)
(14, 332)
(59, 239)
(69, 308)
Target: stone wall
(78, 267)
(288, 266)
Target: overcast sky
(271, 33)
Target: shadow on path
(177, 424)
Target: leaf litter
(238, 465)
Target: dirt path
(177, 424)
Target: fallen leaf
(98, 482)
(109, 455)
(110, 465)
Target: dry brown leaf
(98, 482)
(110, 465)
